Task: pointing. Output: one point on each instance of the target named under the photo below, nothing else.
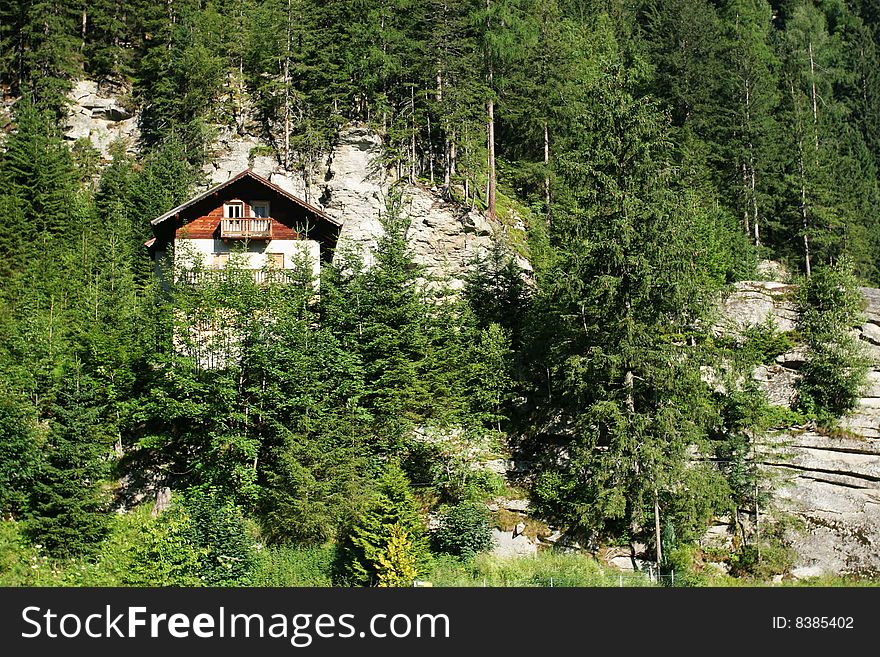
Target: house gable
(289, 218)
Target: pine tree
(627, 288)
(67, 503)
(836, 365)
(811, 114)
(38, 176)
(390, 522)
(42, 51)
(390, 332)
(308, 388)
(178, 77)
(20, 453)
(751, 89)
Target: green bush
(836, 367)
(160, 551)
(464, 530)
(771, 559)
(285, 566)
(217, 530)
(763, 343)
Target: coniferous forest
(655, 150)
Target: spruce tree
(308, 388)
(387, 537)
(391, 335)
(68, 501)
(836, 365)
(627, 289)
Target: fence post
(620, 580)
(551, 582)
(672, 577)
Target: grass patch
(285, 566)
(546, 569)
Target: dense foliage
(651, 152)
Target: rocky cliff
(101, 115)
(350, 183)
(831, 482)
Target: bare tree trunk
(803, 209)
(745, 177)
(805, 224)
(430, 149)
(412, 143)
(754, 196)
(447, 163)
(491, 135)
(487, 179)
(628, 385)
(287, 90)
(239, 106)
(547, 170)
(491, 182)
(750, 179)
(815, 101)
(657, 537)
(453, 158)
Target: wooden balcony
(250, 228)
(259, 276)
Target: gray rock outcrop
(755, 303)
(831, 482)
(353, 185)
(510, 544)
(99, 115)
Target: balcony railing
(246, 228)
(259, 276)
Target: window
(219, 260)
(233, 209)
(275, 260)
(260, 209)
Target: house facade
(246, 220)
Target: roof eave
(249, 173)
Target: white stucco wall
(254, 257)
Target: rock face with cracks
(831, 482)
(100, 115)
(353, 184)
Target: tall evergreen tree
(41, 49)
(627, 288)
(67, 504)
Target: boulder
(754, 303)
(506, 544)
(772, 270)
(97, 114)
(517, 506)
(780, 383)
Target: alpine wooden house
(270, 228)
